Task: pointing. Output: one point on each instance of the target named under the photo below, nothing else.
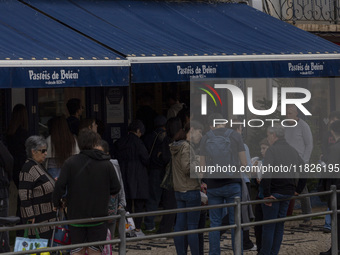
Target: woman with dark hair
(90, 179)
(187, 187)
(133, 159)
(62, 144)
(17, 133)
(36, 187)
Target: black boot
(329, 252)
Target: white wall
(257, 4)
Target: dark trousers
(155, 196)
(168, 221)
(159, 195)
(201, 224)
(139, 206)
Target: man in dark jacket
(133, 159)
(90, 179)
(153, 142)
(6, 168)
(327, 141)
(280, 153)
(333, 163)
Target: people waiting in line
(133, 159)
(90, 179)
(143, 162)
(61, 144)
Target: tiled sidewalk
(297, 240)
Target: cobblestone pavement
(296, 240)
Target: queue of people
(72, 168)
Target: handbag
(30, 244)
(167, 182)
(61, 234)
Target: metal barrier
(122, 240)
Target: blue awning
(37, 51)
(175, 41)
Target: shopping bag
(107, 248)
(130, 227)
(61, 234)
(30, 244)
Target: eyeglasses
(42, 150)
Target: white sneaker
(254, 248)
(139, 233)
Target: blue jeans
(224, 194)
(328, 221)
(272, 234)
(187, 221)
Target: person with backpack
(221, 147)
(89, 178)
